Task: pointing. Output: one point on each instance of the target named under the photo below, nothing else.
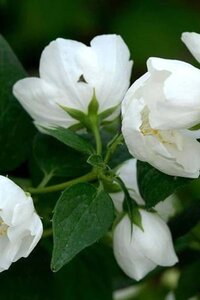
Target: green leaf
(189, 282)
(16, 129)
(82, 216)
(156, 186)
(71, 139)
(186, 220)
(93, 266)
(55, 158)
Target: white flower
(128, 173)
(20, 226)
(138, 252)
(70, 72)
(158, 110)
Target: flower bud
(71, 73)
(20, 226)
(138, 252)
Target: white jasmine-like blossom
(20, 226)
(70, 72)
(158, 110)
(128, 173)
(138, 252)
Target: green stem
(61, 186)
(112, 146)
(97, 136)
(45, 180)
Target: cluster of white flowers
(158, 113)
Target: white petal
(167, 208)
(133, 263)
(131, 123)
(155, 242)
(61, 66)
(190, 148)
(29, 234)
(6, 251)
(11, 198)
(22, 211)
(111, 76)
(118, 199)
(134, 92)
(172, 94)
(128, 173)
(192, 42)
(41, 100)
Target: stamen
(3, 228)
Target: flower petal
(128, 173)
(192, 42)
(172, 94)
(111, 76)
(61, 66)
(132, 262)
(167, 208)
(155, 242)
(41, 100)
(10, 197)
(29, 237)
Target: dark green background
(150, 28)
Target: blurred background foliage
(150, 28)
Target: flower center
(146, 128)
(3, 228)
(169, 137)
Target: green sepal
(195, 127)
(108, 112)
(76, 127)
(74, 113)
(111, 187)
(92, 116)
(93, 105)
(136, 218)
(118, 219)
